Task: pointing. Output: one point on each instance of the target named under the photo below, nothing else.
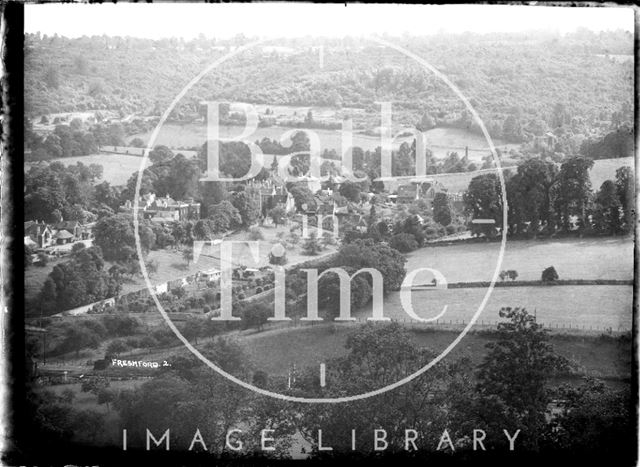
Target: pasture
(118, 168)
(274, 352)
(439, 140)
(605, 169)
(578, 307)
(587, 258)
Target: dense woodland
(514, 81)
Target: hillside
(521, 75)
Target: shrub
(43, 259)
(164, 336)
(147, 342)
(116, 347)
(450, 229)
(550, 274)
(118, 325)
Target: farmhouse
(164, 209)
(42, 235)
(419, 189)
(38, 234)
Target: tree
(115, 236)
(187, 255)
(607, 214)
(514, 375)
(106, 396)
(256, 315)
(368, 254)
(160, 154)
(403, 242)
(592, 417)
(193, 329)
(350, 190)
(247, 207)
(483, 198)
(277, 215)
(301, 195)
(116, 347)
(549, 274)
(78, 281)
(379, 355)
(442, 209)
(105, 194)
(137, 143)
(530, 195)
(224, 216)
(512, 130)
(311, 245)
(52, 77)
(329, 292)
(77, 338)
(573, 190)
(625, 187)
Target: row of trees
(543, 198)
(72, 140)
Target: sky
(159, 20)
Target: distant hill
(520, 75)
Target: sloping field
(117, 167)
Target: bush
(403, 242)
(550, 274)
(255, 233)
(43, 259)
(164, 336)
(116, 347)
(147, 342)
(118, 325)
(450, 229)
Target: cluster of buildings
(41, 235)
(164, 209)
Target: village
(455, 276)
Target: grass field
(581, 307)
(439, 140)
(588, 258)
(310, 346)
(605, 169)
(117, 167)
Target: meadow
(312, 345)
(439, 140)
(586, 258)
(118, 168)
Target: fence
(452, 324)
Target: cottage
(72, 227)
(164, 209)
(38, 233)
(210, 275)
(62, 237)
